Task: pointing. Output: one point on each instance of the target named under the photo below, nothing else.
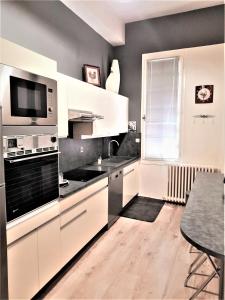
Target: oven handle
(11, 161)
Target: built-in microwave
(27, 99)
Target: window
(162, 107)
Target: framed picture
(204, 94)
(92, 75)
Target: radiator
(180, 180)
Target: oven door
(30, 183)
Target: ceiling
(108, 17)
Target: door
(23, 267)
(49, 250)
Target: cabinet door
(97, 212)
(23, 267)
(62, 87)
(82, 222)
(73, 228)
(122, 114)
(22, 58)
(114, 107)
(49, 250)
(130, 183)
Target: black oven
(31, 181)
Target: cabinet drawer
(85, 193)
(81, 222)
(29, 222)
(130, 168)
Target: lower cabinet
(49, 250)
(130, 182)
(34, 252)
(36, 255)
(81, 222)
(23, 276)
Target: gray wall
(51, 29)
(190, 29)
(71, 157)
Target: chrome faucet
(109, 147)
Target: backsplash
(71, 156)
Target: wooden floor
(135, 260)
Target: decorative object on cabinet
(113, 81)
(132, 126)
(92, 75)
(204, 94)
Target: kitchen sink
(82, 175)
(117, 159)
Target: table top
(202, 223)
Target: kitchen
(103, 165)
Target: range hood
(81, 123)
(82, 116)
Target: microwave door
(28, 99)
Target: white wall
(202, 140)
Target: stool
(195, 265)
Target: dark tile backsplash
(71, 156)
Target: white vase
(113, 81)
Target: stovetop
(82, 175)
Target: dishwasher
(115, 196)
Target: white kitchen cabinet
(74, 224)
(49, 250)
(23, 267)
(130, 182)
(97, 212)
(78, 95)
(62, 83)
(34, 251)
(19, 57)
(86, 216)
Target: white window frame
(145, 59)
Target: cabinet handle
(21, 237)
(83, 200)
(74, 218)
(11, 161)
(128, 172)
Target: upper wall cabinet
(79, 95)
(19, 57)
(72, 93)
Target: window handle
(144, 117)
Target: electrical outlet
(81, 149)
(137, 140)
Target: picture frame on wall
(92, 74)
(204, 94)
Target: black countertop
(75, 186)
(202, 223)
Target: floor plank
(135, 260)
